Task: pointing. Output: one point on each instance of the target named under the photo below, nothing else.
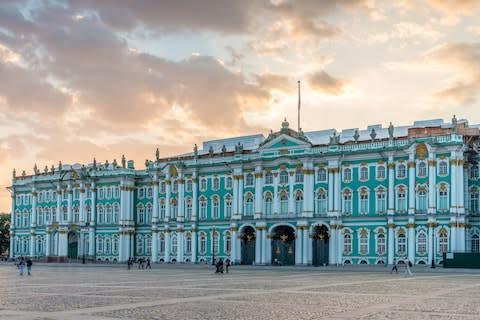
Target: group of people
(142, 263)
(21, 262)
(221, 265)
(407, 263)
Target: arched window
(189, 186)
(99, 245)
(26, 216)
(116, 214)
(203, 208)
(347, 202)
(381, 201)
(54, 214)
(139, 245)
(284, 202)
(474, 172)
(475, 243)
(148, 245)
(443, 241)
(299, 202)
(422, 200)
(215, 242)
(189, 209)
(249, 180)
(268, 178)
(39, 246)
(100, 214)
(443, 168)
(108, 214)
(203, 243)
(268, 203)
(115, 245)
(401, 199)
(162, 244)
(283, 177)
(163, 209)
(216, 183)
(149, 214)
(363, 209)
(401, 242)
(363, 242)
(47, 216)
(322, 175)
(228, 182)
(188, 244)
(364, 173)
(150, 191)
(249, 204)
(443, 197)
(174, 209)
(422, 243)
(347, 243)
(321, 207)
(299, 175)
(347, 175)
(203, 184)
(76, 214)
(215, 207)
(474, 200)
(401, 171)
(228, 206)
(175, 186)
(381, 244)
(422, 169)
(381, 172)
(228, 242)
(39, 216)
(174, 245)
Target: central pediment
(286, 138)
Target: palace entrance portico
(247, 244)
(320, 239)
(72, 245)
(283, 245)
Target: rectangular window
(381, 244)
(381, 202)
(363, 244)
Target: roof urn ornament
(94, 164)
(454, 124)
(390, 131)
(157, 155)
(106, 164)
(52, 169)
(356, 135)
(35, 169)
(124, 162)
(24, 174)
(224, 149)
(373, 134)
(14, 174)
(114, 163)
(45, 169)
(239, 148)
(210, 151)
(60, 166)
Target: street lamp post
(213, 245)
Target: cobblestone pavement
(195, 292)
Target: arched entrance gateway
(320, 239)
(247, 241)
(72, 245)
(283, 245)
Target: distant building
(322, 197)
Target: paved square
(195, 292)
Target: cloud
(325, 83)
(464, 59)
(407, 30)
(271, 81)
(455, 7)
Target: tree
(4, 232)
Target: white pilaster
(69, 204)
(308, 192)
(168, 197)
(331, 191)
(306, 234)
(432, 190)
(298, 245)
(258, 244)
(93, 220)
(453, 184)
(411, 240)
(264, 246)
(332, 243)
(194, 244)
(180, 243)
(233, 253)
(33, 215)
(195, 199)
(167, 245)
(460, 185)
(48, 243)
(411, 183)
(258, 192)
(276, 203)
(391, 240)
(291, 194)
(83, 214)
(391, 188)
(453, 234)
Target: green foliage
(4, 232)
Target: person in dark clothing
(129, 263)
(29, 266)
(219, 266)
(149, 264)
(394, 267)
(227, 265)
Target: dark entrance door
(320, 246)
(248, 245)
(283, 245)
(72, 245)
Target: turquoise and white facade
(323, 197)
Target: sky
(86, 78)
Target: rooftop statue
(390, 131)
(334, 140)
(195, 151)
(454, 124)
(157, 155)
(124, 162)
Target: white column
(233, 254)
(391, 188)
(432, 188)
(181, 199)
(336, 188)
(291, 194)
(69, 204)
(155, 237)
(13, 223)
(276, 203)
(33, 215)
(48, 243)
(453, 184)
(411, 184)
(194, 244)
(298, 245)
(268, 249)
(168, 186)
(195, 198)
(11, 252)
(308, 192)
(461, 236)
(453, 234)
(93, 219)
(258, 192)
(306, 233)
(258, 244)
(339, 243)
(264, 246)
(460, 186)
(180, 242)
(431, 241)
(235, 196)
(332, 243)
(391, 241)
(411, 240)
(32, 244)
(331, 191)
(167, 245)
(240, 195)
(83, 216)
(59, 206)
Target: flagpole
(299, 127)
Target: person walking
(21, 266)
(408, 264)
(149, 264)
(227, 265)
(29, 266)
(394, 267)
(129, 263)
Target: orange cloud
(325, 83)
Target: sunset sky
(89, 78)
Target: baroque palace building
(305, 198)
